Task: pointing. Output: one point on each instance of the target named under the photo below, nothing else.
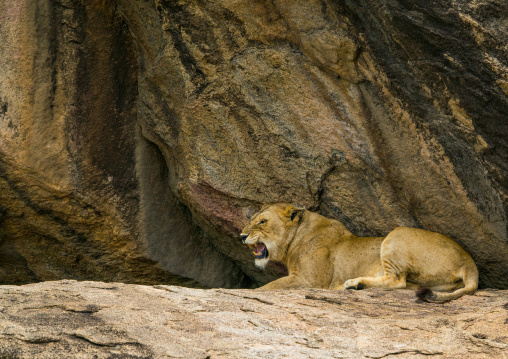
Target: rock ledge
(114, 320)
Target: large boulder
(136, 137)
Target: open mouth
(259, 250)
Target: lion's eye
(263, 221)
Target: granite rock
(136, 137)
(114, 320)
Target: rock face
(137, 136)
(110, 320)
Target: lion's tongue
(260, 247)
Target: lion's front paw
(353, 284)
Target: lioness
(321, 253)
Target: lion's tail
(470, 279)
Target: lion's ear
(294, 210)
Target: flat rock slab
(70, 319)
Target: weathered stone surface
(104, 320)
(146, 131)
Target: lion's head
(270, 231)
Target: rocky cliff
(70, 319)
(137, 136)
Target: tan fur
(321, 253)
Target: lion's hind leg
(388, 281)
(391, 277)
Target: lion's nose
(243, 237)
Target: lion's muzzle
(260, 251)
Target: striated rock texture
(98, 320)
(137, 136)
